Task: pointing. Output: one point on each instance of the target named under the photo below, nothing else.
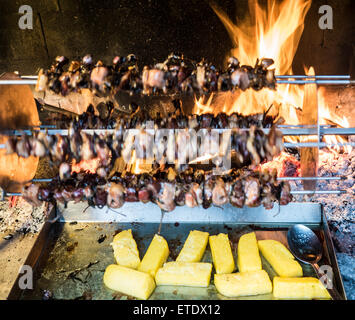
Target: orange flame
(272, 31)
(326, 116)
(89, 166)
(285, 164)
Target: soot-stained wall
(152, 29)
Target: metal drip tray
(70, 256)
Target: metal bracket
(2, 194)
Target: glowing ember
(89, 166)
(138, 166)
(285, 164)
(13, 201)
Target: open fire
(259, 36)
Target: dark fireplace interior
(153, 29)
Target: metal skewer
(321, 80)
(277, 76)
(304, 126)
(41, 180)
(286, 131)
(279, 179)
(29, 77)
(162, 213)
(4, 194)
(310, 178)
(303, 192)
(293, 76)
(312, 77)
(18, 82)
(317, 144)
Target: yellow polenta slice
(125, 249)
(128, 281)
(194, 247)
(222, 253)
(192, 274)
(156, 255)
(280, 258)
(248, 253)
(243, 283)
(299, 288)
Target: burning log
(18, 109)
(309, 156)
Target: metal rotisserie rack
(73, 248)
